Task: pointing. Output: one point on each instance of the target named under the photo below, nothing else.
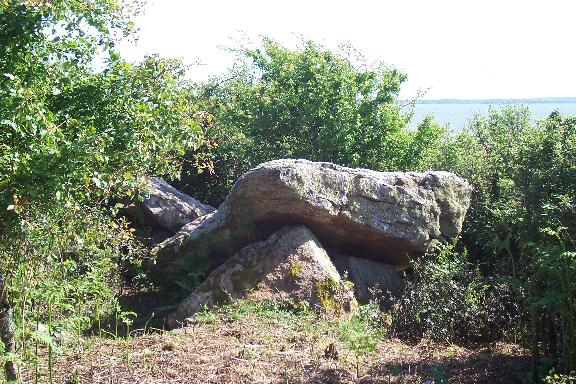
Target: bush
(521, 221)
(73, 142)
(447, 299)
(307, 103)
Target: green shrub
(308, 103)
(447, 299)
(361, 333)
(556, 378)
(521, 223)
(73, 142)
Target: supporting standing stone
(290, 266)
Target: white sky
(457, 48)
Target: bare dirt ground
(250, 347)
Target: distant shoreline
(542, 100)
(458, 112)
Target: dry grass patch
(262, 343)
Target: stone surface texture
(371, 279)
(166, 207)
(290, 266)
(384, 216)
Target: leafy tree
(308, 103)
(521, 220)
(75, 140)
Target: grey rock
(384, 216)
(165, 207)
(290, 266)
(372, 280)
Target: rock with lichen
(290, 267)
(389, 217)
(372, 280)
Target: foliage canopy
(76, 137)
(308, 103)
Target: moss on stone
(326, 291)
(245, 278)
(348, 285)
(296, 268)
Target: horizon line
(562, 99)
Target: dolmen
(299, 231)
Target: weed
(205, 316)
(557, 378)
(361, 333)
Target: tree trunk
(7, 332)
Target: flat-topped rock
(384, 216)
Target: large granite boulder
(163, 206)
(290, 267)
(384, 216)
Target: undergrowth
(248, 341)
(447, 299)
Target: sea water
(457, 115)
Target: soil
(248, 345)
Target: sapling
(360, 334)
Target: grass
(261, 342)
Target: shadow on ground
(481, 368)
